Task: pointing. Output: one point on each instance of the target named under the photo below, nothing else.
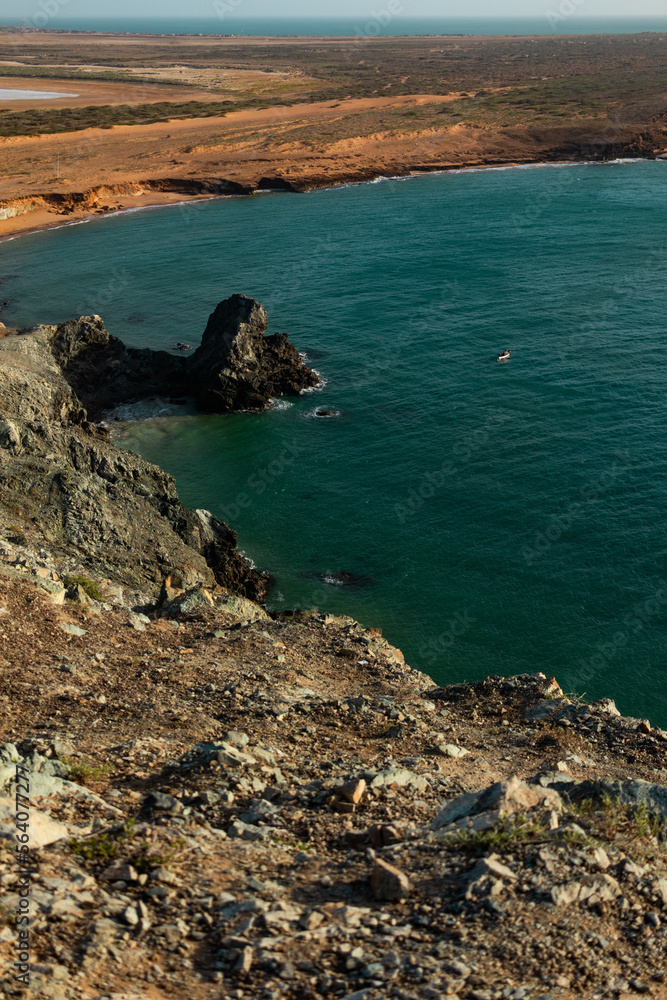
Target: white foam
(315, 388)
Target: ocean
(376, 22)
(491, 518)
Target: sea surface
(492, 518)
(375, 22)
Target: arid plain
(162, 118)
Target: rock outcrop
(236, 367)
(64, 486)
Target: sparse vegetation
(90, 587)
(103, 846)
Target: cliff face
(62, 481)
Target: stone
(259, 810)
(55, 590)
(604, 706)
(41, 828)
(492, 866)
(119, 871)
(659, 887)
(160, 802)
(400, 777)
(163, 875)
(237, 739)
(52, 375)
(10, 439)
(353, 790)
(389, 883)
(634, 793)
(72, 629)
(229, 756)
(244, 962)
(504, 798)
(543, 709)
(451, 750)
(592, 889)
(238, 367)
(247, 831)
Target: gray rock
(399, 776)
(10, 439)
(504, 798)
(237, 738)
(72, 629)
(239, 830)
(159, 802)
(9, 754)
(635, 793)
(259, 810)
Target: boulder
(237, 367)
(633, 793)
(41, 828)
(389, 883)
(504, 798)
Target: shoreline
(162, 199)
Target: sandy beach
(57, 169)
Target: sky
(327, 8)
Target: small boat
(504, 355)
(182, 347)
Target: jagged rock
(119, 872)
(191, 602)
(398, 776)
(118, 514)
(159, 802)
(504, 798)
(73, 629)
(389, 883)
(242, 609)
(604, 706)
(41, 829)
(592, 889)
(9, 436)
(451, 750)
(238, 367)
(629, 793)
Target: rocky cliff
(236, 367)
(63, 484)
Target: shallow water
(493, 518)
(31, 95)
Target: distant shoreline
(162, 199)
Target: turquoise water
(373, 22)
(495, 518)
